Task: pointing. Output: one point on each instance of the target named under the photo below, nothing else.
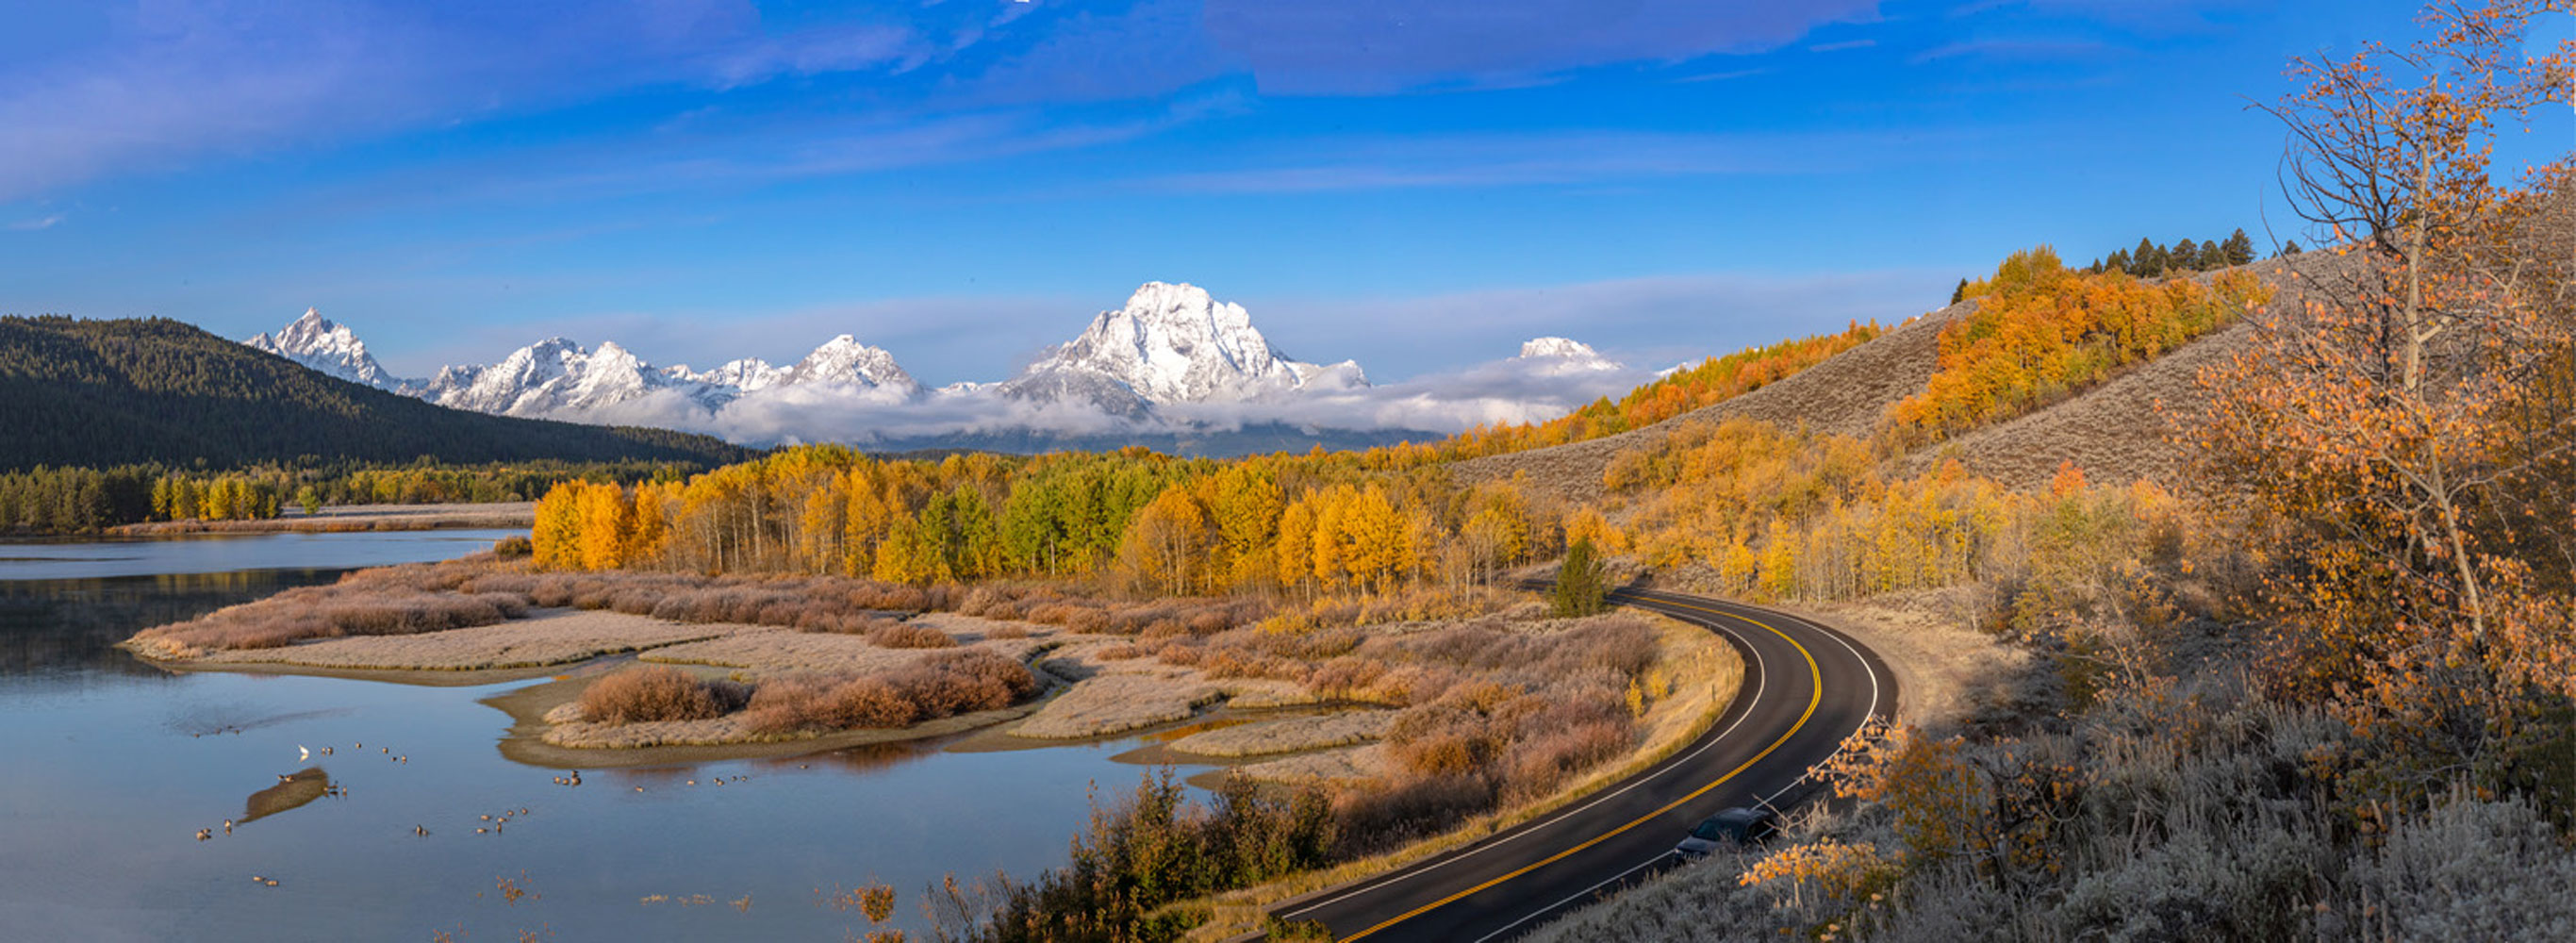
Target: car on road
(1738, 825)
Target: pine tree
(2147, 260)
(2288, 248)
(2185, 255)
(1960, 293)
(2239, 249)
(1581, 587)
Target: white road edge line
(1761, 685)
(1623, 875)
(1766, 800)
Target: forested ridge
(100, 393)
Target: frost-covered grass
(2203, 812)
(1288, 735)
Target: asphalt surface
(1806, 687)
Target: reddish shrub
(906, 635)
(659, 692)
(1346, 677)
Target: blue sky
(1414, 185)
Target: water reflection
(118, 779)
(67, 630)
(293, 791)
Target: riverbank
(353, 518)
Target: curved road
(1806, 687)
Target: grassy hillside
(97, 393)
(2113, 420)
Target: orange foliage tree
(2414, 414)
(2042, 332)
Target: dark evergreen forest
(100, 393)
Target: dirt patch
(1945, 669)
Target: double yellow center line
(1815, 696)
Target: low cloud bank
(1514, 390)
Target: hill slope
(2117, 430)
(95, 393)
(1844, 395)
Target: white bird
(302, 754)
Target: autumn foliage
(1712, 381)
(2041, 332)
(1309, 525)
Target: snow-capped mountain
(560, 379)
(1557, 356)
(556, 377)
(1173, 367)
(312, 340)
(1172, 344)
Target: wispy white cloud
(1346, 47)
(167, 82)
(1556, 158)
(2015, 50)
(36, 223)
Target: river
(112, 766)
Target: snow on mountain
(1172, 362)
(846, 362)
(841, 361)
(1559, 355)
(315, 342)
(552, 377)
(560, 379)
(1172, 344)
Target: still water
(109, 767)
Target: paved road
(1806, 687)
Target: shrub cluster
(659, 692)
(389, 601)
(414, 598)
(943, 685)
(1492, 718)
(1140, 855)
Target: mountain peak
(1566, 355)
(312, 340)
(1556, 347)
(1171, 343)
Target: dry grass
(942, 685)
(1118, 703)
(2121, 430)
(1700, 674)
(388, 601)
(545, 638)
(418, 598)
(1845, 395)
(658, 693)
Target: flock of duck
(492, 823)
